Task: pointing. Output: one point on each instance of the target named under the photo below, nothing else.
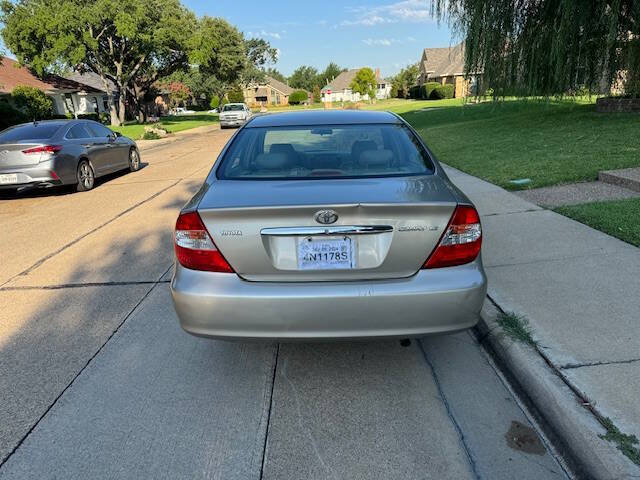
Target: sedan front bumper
(222, 305)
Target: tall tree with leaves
(404, 80)
(329, 73)
(219, 50)
(364, 83)
(258, 54)
(274, 73)
(304, 77)
(548, 47)
(120, 40)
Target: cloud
(409, 11)
(264, 33)
(386, 42)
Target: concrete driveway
(98, 381)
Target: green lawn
(620, 219)
(551, 142)
(171, 123)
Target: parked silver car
(325, 225)
(234, 115)
(62, 152)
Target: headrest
(375, 158)
(272, 161)
(282, 148)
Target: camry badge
(326, 217)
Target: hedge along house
(446, 66)
(339, 90)
(69, 96)
(269, 92)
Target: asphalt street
(97, 380)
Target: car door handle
(333, 230)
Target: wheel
(86, 177)
(134, 160)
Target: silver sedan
(327, 225)
(62, 152)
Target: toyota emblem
(326, 217)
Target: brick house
(269, 92)
(446, 66)
(69, 96)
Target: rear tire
(134, 160)
(85, 176)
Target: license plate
(325, 254)
(9, 178)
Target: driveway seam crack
(454, 421)
(99, 227)
(83, 285)
(266, 433)
(84, 367)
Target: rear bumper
(30, 177)
(222, 305)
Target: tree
(404, 80)
(235, 95)
(317, 95)
(219, 50)
(304, 77)
(120, 40)
(33, 101)
(329, 73)
(179, 93)
(548, 47)
(258, 52)
(364, 82)
(215, 102)
(273, 73)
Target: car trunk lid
(12, 154)
(272, 231)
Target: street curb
(575, 427)
(174, 137)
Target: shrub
(317, 95)
(429, 88)
(297, 97)
(414, 92)
(150, 135)
(443, 91)
(9, 116)
(215, 102)
(197, 108)
(33, 101)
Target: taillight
(194, 248)
(43, 149)
(461, 241)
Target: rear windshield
(228, 108)
(324, 151)
(33, 131)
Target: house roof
(12, 74)
(278, 85)
(441, 62)
(342, 81)
(91, 79)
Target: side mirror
(117, 134)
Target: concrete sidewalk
(579, 289)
